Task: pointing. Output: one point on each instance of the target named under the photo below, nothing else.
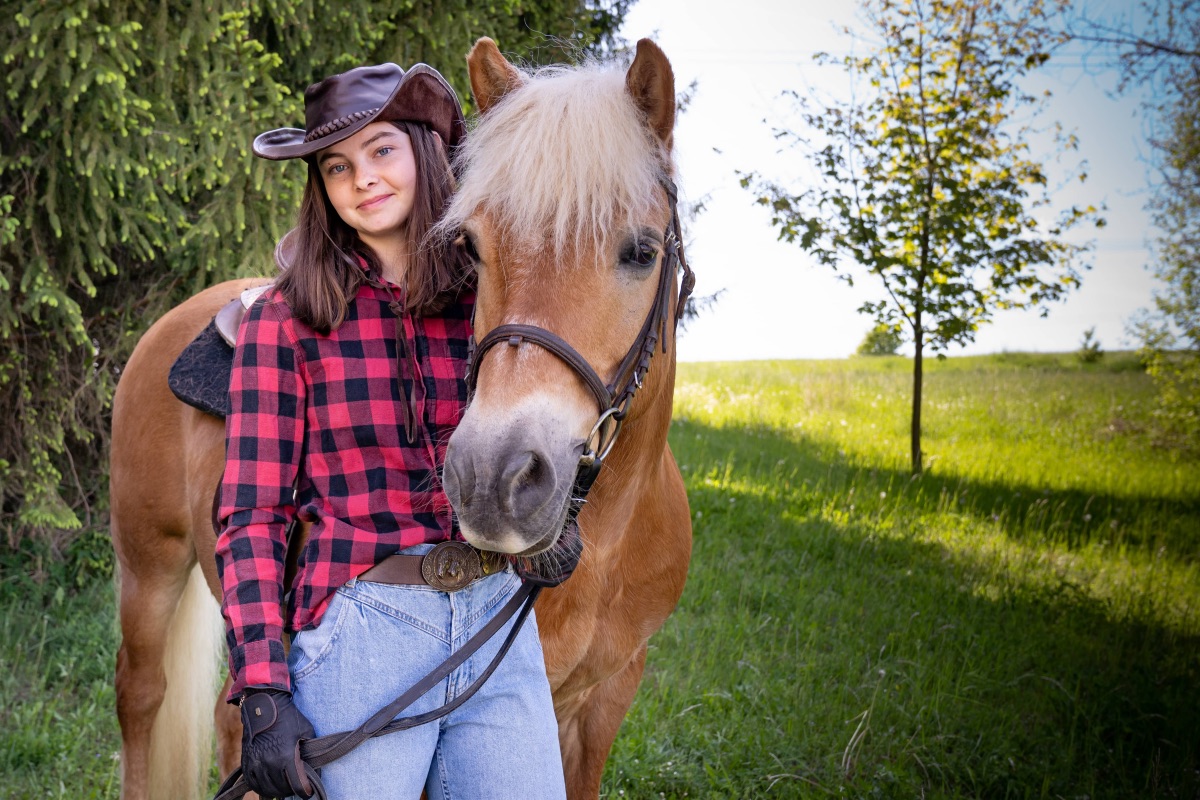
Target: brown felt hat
(342, 105)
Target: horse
(566, 200)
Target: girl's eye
(640, 254)
(383, 151)
(337, 169)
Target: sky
(777, 302)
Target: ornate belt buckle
(450, 566)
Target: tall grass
(58, 647)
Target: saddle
(200, 376)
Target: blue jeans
(377, 640)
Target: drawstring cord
(406, 369)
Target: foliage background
(127, 184)
(1170, 335)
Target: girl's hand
(272, 728)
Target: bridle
(613, 398)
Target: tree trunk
(918, 378)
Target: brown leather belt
(449, 566)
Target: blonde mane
(564, 160)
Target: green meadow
(1022, 621)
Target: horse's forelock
(564, 161)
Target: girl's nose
(366, 178)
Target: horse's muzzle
(510, 490)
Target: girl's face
(371, 180)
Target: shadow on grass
(811, 656)
(1066, 517)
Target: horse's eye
(468, 245)
(640, 254)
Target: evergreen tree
(127, 182)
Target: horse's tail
(181, 740)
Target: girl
(349, 377)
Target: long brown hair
(322, 274)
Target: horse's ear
(651, 84)
(492, 76)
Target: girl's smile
(374, 202)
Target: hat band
(339, 123)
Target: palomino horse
(563, 200)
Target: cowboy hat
(342, 105)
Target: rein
(613, 398)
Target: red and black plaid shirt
(325, 414)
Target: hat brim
(422, 96)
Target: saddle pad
(200, 376)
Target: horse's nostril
(533, 471)
(525, 483)
(458, 478)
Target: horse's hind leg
(147, 604)
(588, 737)
(165, 666)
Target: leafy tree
(1163, 50)
(881, 340)
(1089, 351)
(1171, 334)
(1174, 360)
(127, 183)
(926, 178)
(1153, 41)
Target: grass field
(1022, 621)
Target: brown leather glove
(272, 728)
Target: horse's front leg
(587, 735)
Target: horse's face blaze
(512, 461)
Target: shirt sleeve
(263, 441)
